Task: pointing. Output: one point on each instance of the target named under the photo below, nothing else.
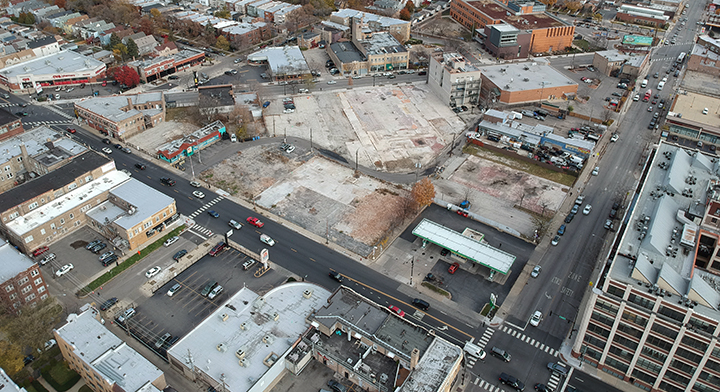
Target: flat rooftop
(691, 106)
(347, 52)
(382, 43)
(282, 60)
(664, 222)
(531, 75)
(66, 202)
(259, 327)
(434, 367)
(468, 247)
(145, 202)
(55, 180)
(62, 62)
(368, 17)
(117, 108)
(44, 144)
(13, 262)
(107, 353)
(497, 12)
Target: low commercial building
(32, 155)
(705, 56)
(642, 15)
(177, 150)
(454, 79)
(122, 116)
(617, 64)
(526, 27)
(21, 280)
(216, 99)
(65, 68)
(653, 317)
(284, 63)
(688, 118)
(103, 360)
(525, 82)
(162, 66)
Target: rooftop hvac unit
(243, 363)
(224, 317)
(243, 326)
(276, 316)
(268, 339)
(240, 353)
(307, 294)
(221, 347)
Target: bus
(681, 58)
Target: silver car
(536, 271)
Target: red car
(255, 221)
(462, 213)
(71, 130)
(453, 267)
(396, 310)
(104, 83)
(40, 250)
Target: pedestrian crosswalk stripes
(527, 339)
(554, 381)
(50, 122)
(486, 337)
(197, 229)
(206, 206)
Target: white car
(331, 82)
(50, 344)
(636, 97)
(215, 292)
(587, 209)
(267, 239)
(536, 318)
(235, 224)
(171, 241)
(106, 150)
(596, 171)
(199, 194)
(152, 272)
(614, 137)
(288, 111)
(64, 270)
(194, 184)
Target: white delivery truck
(644, 83)
(661, 85)
(474, 350)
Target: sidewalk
(74, 388)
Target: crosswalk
(50, 122)
(553, 382)
(527, 339)
(201, 231)
(206, 207)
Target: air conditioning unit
(240, 353)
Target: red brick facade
(25, 288)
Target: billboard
(637, 40)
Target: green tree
(32, 327)
(222, 43)
(114, 41)
(132, 48)
(11, 357)
(120, 51)
(224, 13)
(26, 18)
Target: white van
(233, 138)
(644, 83)
(661, 85)
(474, 350)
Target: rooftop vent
(221, 347)
(240, 353)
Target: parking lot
(186, 308)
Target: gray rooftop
(468, 247)
(434, 367)
(615, 56)
(347, 52)
(282, 60)
(110, 107)
(46, 145)
(257, 325)
(383, 43)
(664, 221)
(13, 262)
(61, 62)
(525, 76)
(146, 202)
(107, 353)
(369, 17)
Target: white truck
(644, 83)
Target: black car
(336, 386)
(28, 360)
(179, 254)
(444, 252)
(336, 275)
(173, 77)
(97, 248)
(512, 381)
(109, 260)
(21, 114)
(108, 304)
(118, 146)
(106, 141)
(140, 166)
(569, 218)
(167, 181)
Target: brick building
(532, 29)
(515, 83)
(122, 116)
(705, 56)
(642, 15)
(10, 125)
(21, 281)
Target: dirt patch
(444, 26)
(251, 171)
(363, 223)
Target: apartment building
(455, 80)
(21, 281)
(705, 56)
(10, 125)
(122, 116)
(653, 318)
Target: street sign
(264, 256)
(493, 299)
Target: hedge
(132, 260)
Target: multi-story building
(103, 360)
(400, 29)
(455, 80)
(615, 63)
(21, 280)
(653, 318)
(705, 56)
(122, 116)
(10, 125)
(642, 15)
(33, 154)
(694, 116)
(527, 29)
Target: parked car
(536, 271)
(50, 257)
(152, 272)
(453, 268)
(174, 289)
(171, 240)
(179, 254)
(108, 304)
(92, 244)
(396, 310)
(64, 270)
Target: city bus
(681, 58)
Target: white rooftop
(66, 202)
(467, 247)
(35, 143)
(433, 369)
(257, 325)
(146, 202)
(661, 225)
(110, 356)
(109, 107)
(61, 62)
(368, 17)
(13, 262)
(530, 75)
(282, 60)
